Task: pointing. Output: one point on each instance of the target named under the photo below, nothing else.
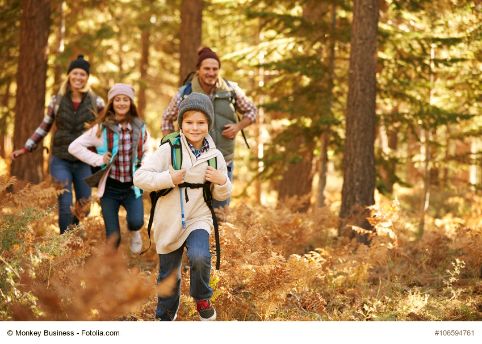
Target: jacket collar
(211, 153)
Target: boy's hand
(177, 176)
(215, 176)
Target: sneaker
(136, 242)
(206, 310)
(166, 317)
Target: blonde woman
(70, 110)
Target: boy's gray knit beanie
(198, 102)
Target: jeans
(67, 173)
(225, 203)
(197, 244)
(115, 195)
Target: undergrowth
(277, 264)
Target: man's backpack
(174, 140)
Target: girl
(182, 217)
(120, 139)
(71, 109)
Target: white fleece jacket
(153, 175)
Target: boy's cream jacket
(154, 175)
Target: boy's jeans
(67, 172)
(197, 244)
(115, 196)
(222, 204)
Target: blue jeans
(67, 173)
(222, 204)
(197, 244)
(115, 195)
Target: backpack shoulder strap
(93, 101)
(58, 99)
(174, 140)
(233, 100)
(213, 162)
(185, 90)
(188, 78)
(231, 89)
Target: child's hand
(177, 176)
(215, 176)
(106, 157)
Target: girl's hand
(106, 157)
(215, 176)
(17, 153)
(177, 176)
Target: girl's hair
(108, 115)
(66, 87)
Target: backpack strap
(93, 102)
(233, 100)
(231, 91)
(174, 140)
(58, 100)
(208, 198)
(185, 90)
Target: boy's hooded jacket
(154, 175)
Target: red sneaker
(206, 310)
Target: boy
(182, 217)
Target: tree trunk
(144, 65)
(388, 145)
(190, 35)
(359, 157)
(426, 156)
(59, 68)
(31, 77)
(3, 118)
(449, 148)
(259, 127)
(323, 170)
(426, 152)
(330, 85)
(475, 168)
(298, 176)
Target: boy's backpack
(174, 140)
(186, 90)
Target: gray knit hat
(199, 102)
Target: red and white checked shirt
(242, 105)
(121, 169)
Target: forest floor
(276, 264)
